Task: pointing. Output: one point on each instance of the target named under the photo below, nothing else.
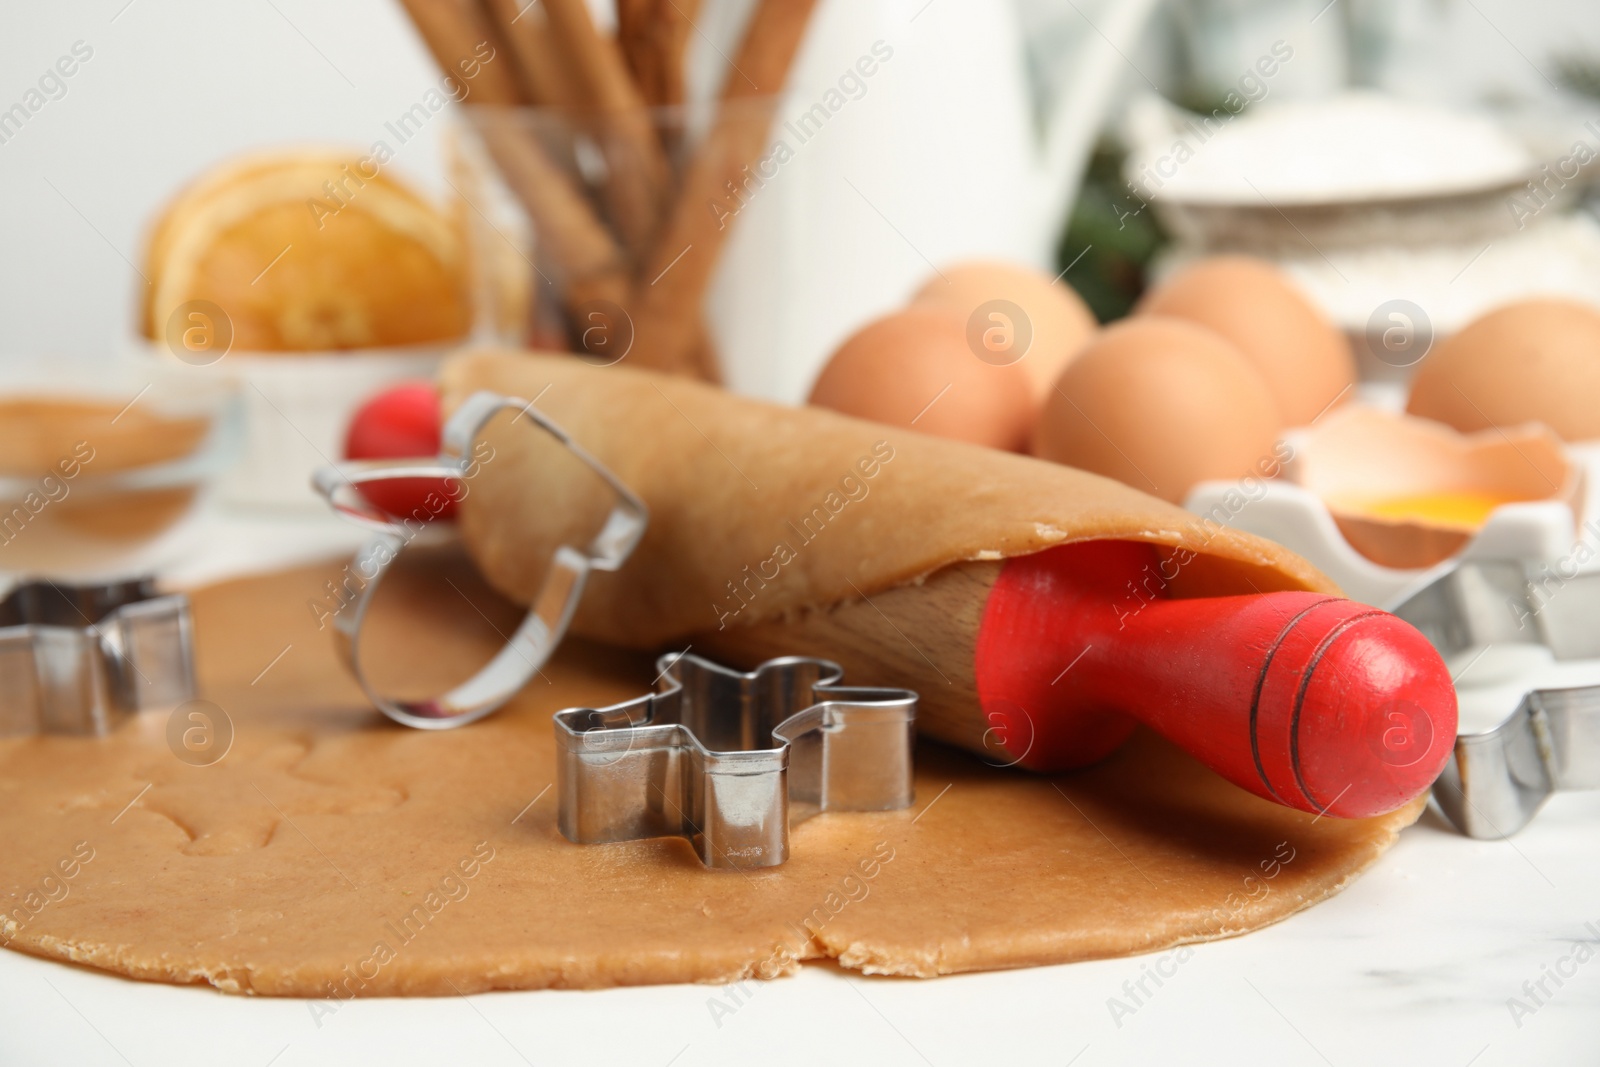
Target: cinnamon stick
(546, 79)
(466, 47)
(654, 35)
(585, 252)
(586, 255)
(670, 291)
(637, 171)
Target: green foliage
(1120, 233)
(1579, 72)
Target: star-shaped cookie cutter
(693, 759)
(553, 606)
(1496, 781)
(77, 659)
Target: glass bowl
(101, 461)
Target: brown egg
(1532, 361)
(1303, 356)
(1057, 318)
(913, 368)
(1159, 404)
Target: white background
(173, 86)
(176, 85)
(1413, 965)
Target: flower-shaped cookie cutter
(731, 760)
(553, 606)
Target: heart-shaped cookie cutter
(552, 608)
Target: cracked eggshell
(1409, 492)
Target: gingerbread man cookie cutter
(732, 760)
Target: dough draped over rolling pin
(758, 511)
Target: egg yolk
(1464, 509)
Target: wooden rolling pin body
(1049, 661)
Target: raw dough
(332, 854)
(726, 478)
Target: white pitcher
(913, 143)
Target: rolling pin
(1040, 612)
(1050, 661)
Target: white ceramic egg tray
(1297, 518)
(1489, 681)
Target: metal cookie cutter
(552, 609)
(693, 759)
(77, 659)
(1496, 781)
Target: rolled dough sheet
(729, 479)
(331, 854)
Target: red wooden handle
(1316, 702)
